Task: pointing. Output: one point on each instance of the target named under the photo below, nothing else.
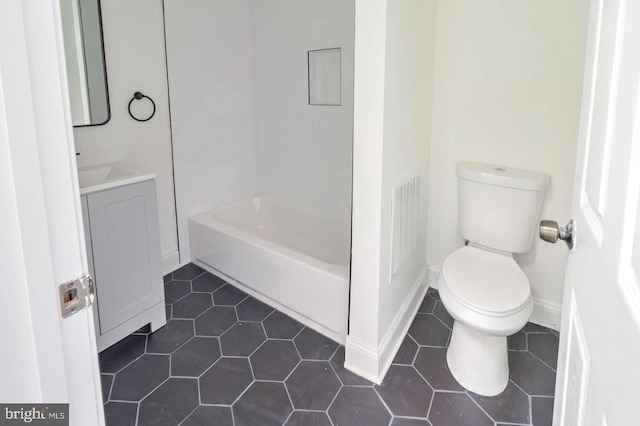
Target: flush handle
(551, 232)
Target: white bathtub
(291, 257)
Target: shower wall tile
(212, 91)
(303, 151)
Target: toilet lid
(486, 281)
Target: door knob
(551, 232)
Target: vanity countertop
(101, 177)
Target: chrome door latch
(76, 295)
(551, 232)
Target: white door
(598, 379)
(44, 358)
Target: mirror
(86, 72)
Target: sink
(92, 176)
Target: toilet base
(478, 361)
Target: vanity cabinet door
(125, 239)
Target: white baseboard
(372, 363)
(361, 359)
(170, 262)
(546, 314)
(433, 273)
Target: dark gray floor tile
(176, 290)
(228, 295)
(263, 404)
(432, 364)
(122, 353)
(428, 330)
(399, 421)
(511, 406)
(545, 347)
(356, 403)
(443, 315)
(535, 328)
(120, 413)
(166, 278)
(456, 409)
(195, 356)
(242, 339)
(281, 326)
(106, 380)
(167, 310)
(517, 342)
(542, 411)
(215, 321)
(251, 309)
(405, 392)
(433, 293)
(140, 378)
(225, 381)
(146, 329)
(170, 404)
(274, 360)
(313, 345)
(210, 416)
(531, 374)
(407, 352)
(427, 305)
(207, 282)
(308, 418)
(170, 337)
(356, 406)
(187, 272)
(346, 376)
(192, 305)
(313, 385)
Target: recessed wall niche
(324, 76)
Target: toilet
(480, 284)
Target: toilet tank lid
(503, 176)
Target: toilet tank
(498, 207)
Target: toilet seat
(485, 282)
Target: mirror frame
(104, 68)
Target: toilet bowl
(480, 284)
(489, 298)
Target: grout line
(442, 322)
(113, 380)
(137, 412)
(480, 406)
(433, 394)
(542, 361)
(383, 402)
(192, 411)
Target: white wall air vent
(405, 216)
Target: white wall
(304, 151)
(135, 57)
(508, 83)
(392, 127)
(211, 79)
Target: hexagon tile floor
(224, 358)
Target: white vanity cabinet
(123, 248)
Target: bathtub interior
(320, 235)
